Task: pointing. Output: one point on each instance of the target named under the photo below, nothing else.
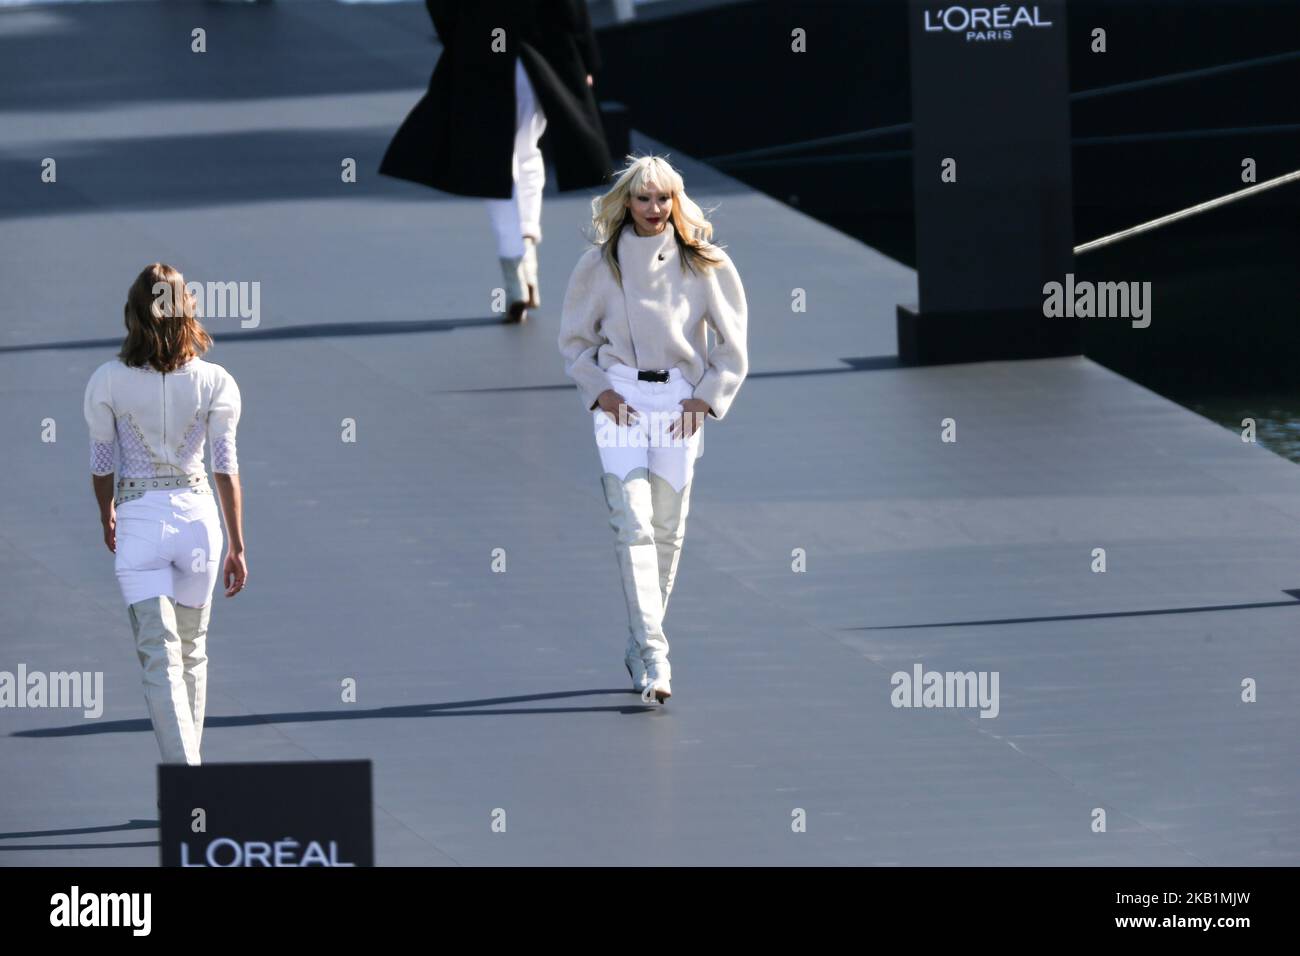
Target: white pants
(646, 444)
(522, 212)
(169, 543)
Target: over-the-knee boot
(192, 624)
(530, 272)
(516, 288)
(638, 560)
(635, 665)
(158, 645)
(669, 522)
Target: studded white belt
(131, 488)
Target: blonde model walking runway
(634, 336)
(157, 404)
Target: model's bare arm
(103, 485)
(235, 571)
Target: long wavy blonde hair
(609, 214)
(162, 322)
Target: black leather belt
(652, 376)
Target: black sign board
(315, 813)
(990, 108)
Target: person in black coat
(510, 71)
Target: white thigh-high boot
(530, 272)
(516, 288)
(669, 522)
(192, 624)
(638, 560)
(158, 645)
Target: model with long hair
(634, 336)
(157, 404)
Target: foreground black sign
(267, 814)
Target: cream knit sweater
(657, 320)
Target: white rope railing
(1184, 213)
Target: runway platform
(478, 690)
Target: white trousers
(522, 212)
(169, 543)
(646, 444)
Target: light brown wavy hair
(163, 329)
(609, 214)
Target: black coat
(460, 137)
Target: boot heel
(659, 682)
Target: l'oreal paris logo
(224, 852)
(983, 23)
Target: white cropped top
(160, 421)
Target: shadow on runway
(482, 707)
(1294, 592)
(866, 363)
(313, 331)
(130, 825)
(80, 846)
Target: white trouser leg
(530, 166)
(158, 645)
(522, 213)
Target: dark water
(1277, 417)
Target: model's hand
(590, 81)
(109, 521)
(691, 420)
(615, 406)
(236, 573)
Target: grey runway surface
(480, 690)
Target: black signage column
(990, 92)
